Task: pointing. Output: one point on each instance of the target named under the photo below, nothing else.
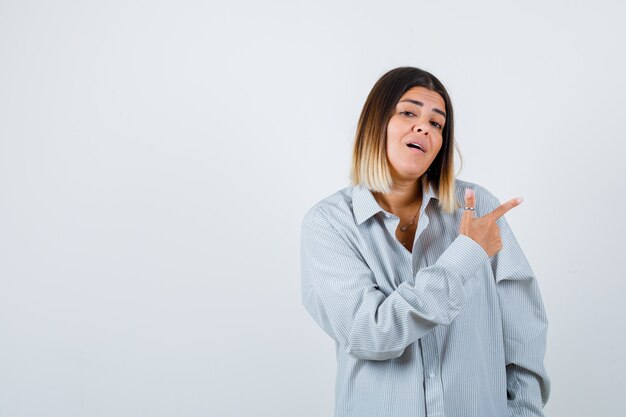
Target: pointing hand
(484, 230)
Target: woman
(433, 307)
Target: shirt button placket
(432, 376)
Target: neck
(403, 196)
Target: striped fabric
(442, 331)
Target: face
(415, 133)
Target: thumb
(470, 202)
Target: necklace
(406, 226)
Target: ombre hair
(370, 166)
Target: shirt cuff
(464, 255)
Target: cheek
(438, 143)
(395, 128)
(392, 137)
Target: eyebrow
(419, 103)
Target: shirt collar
(365, 205)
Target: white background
(157, 157)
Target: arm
(524, 326)
(339, 291)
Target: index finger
(505, 207)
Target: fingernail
(468, 192)
(519, 200)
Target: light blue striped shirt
(442, 331)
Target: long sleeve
(524, 325)
(340, 292)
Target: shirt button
(431, 375)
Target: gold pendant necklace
(406, 226)
(412, 222)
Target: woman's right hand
(484, 230)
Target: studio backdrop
(157, 159)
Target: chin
(414, 175)
(408, 171)
(415, 172)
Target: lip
(416, 151)
(417, 142)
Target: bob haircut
(370, 166)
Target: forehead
(428, 97)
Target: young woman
(433, 307)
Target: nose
(419, 128)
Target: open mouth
(415, 146)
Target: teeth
(415, 145)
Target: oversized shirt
(442, 331)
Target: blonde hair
(370, 166)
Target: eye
(437, 125)
(407, 113)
